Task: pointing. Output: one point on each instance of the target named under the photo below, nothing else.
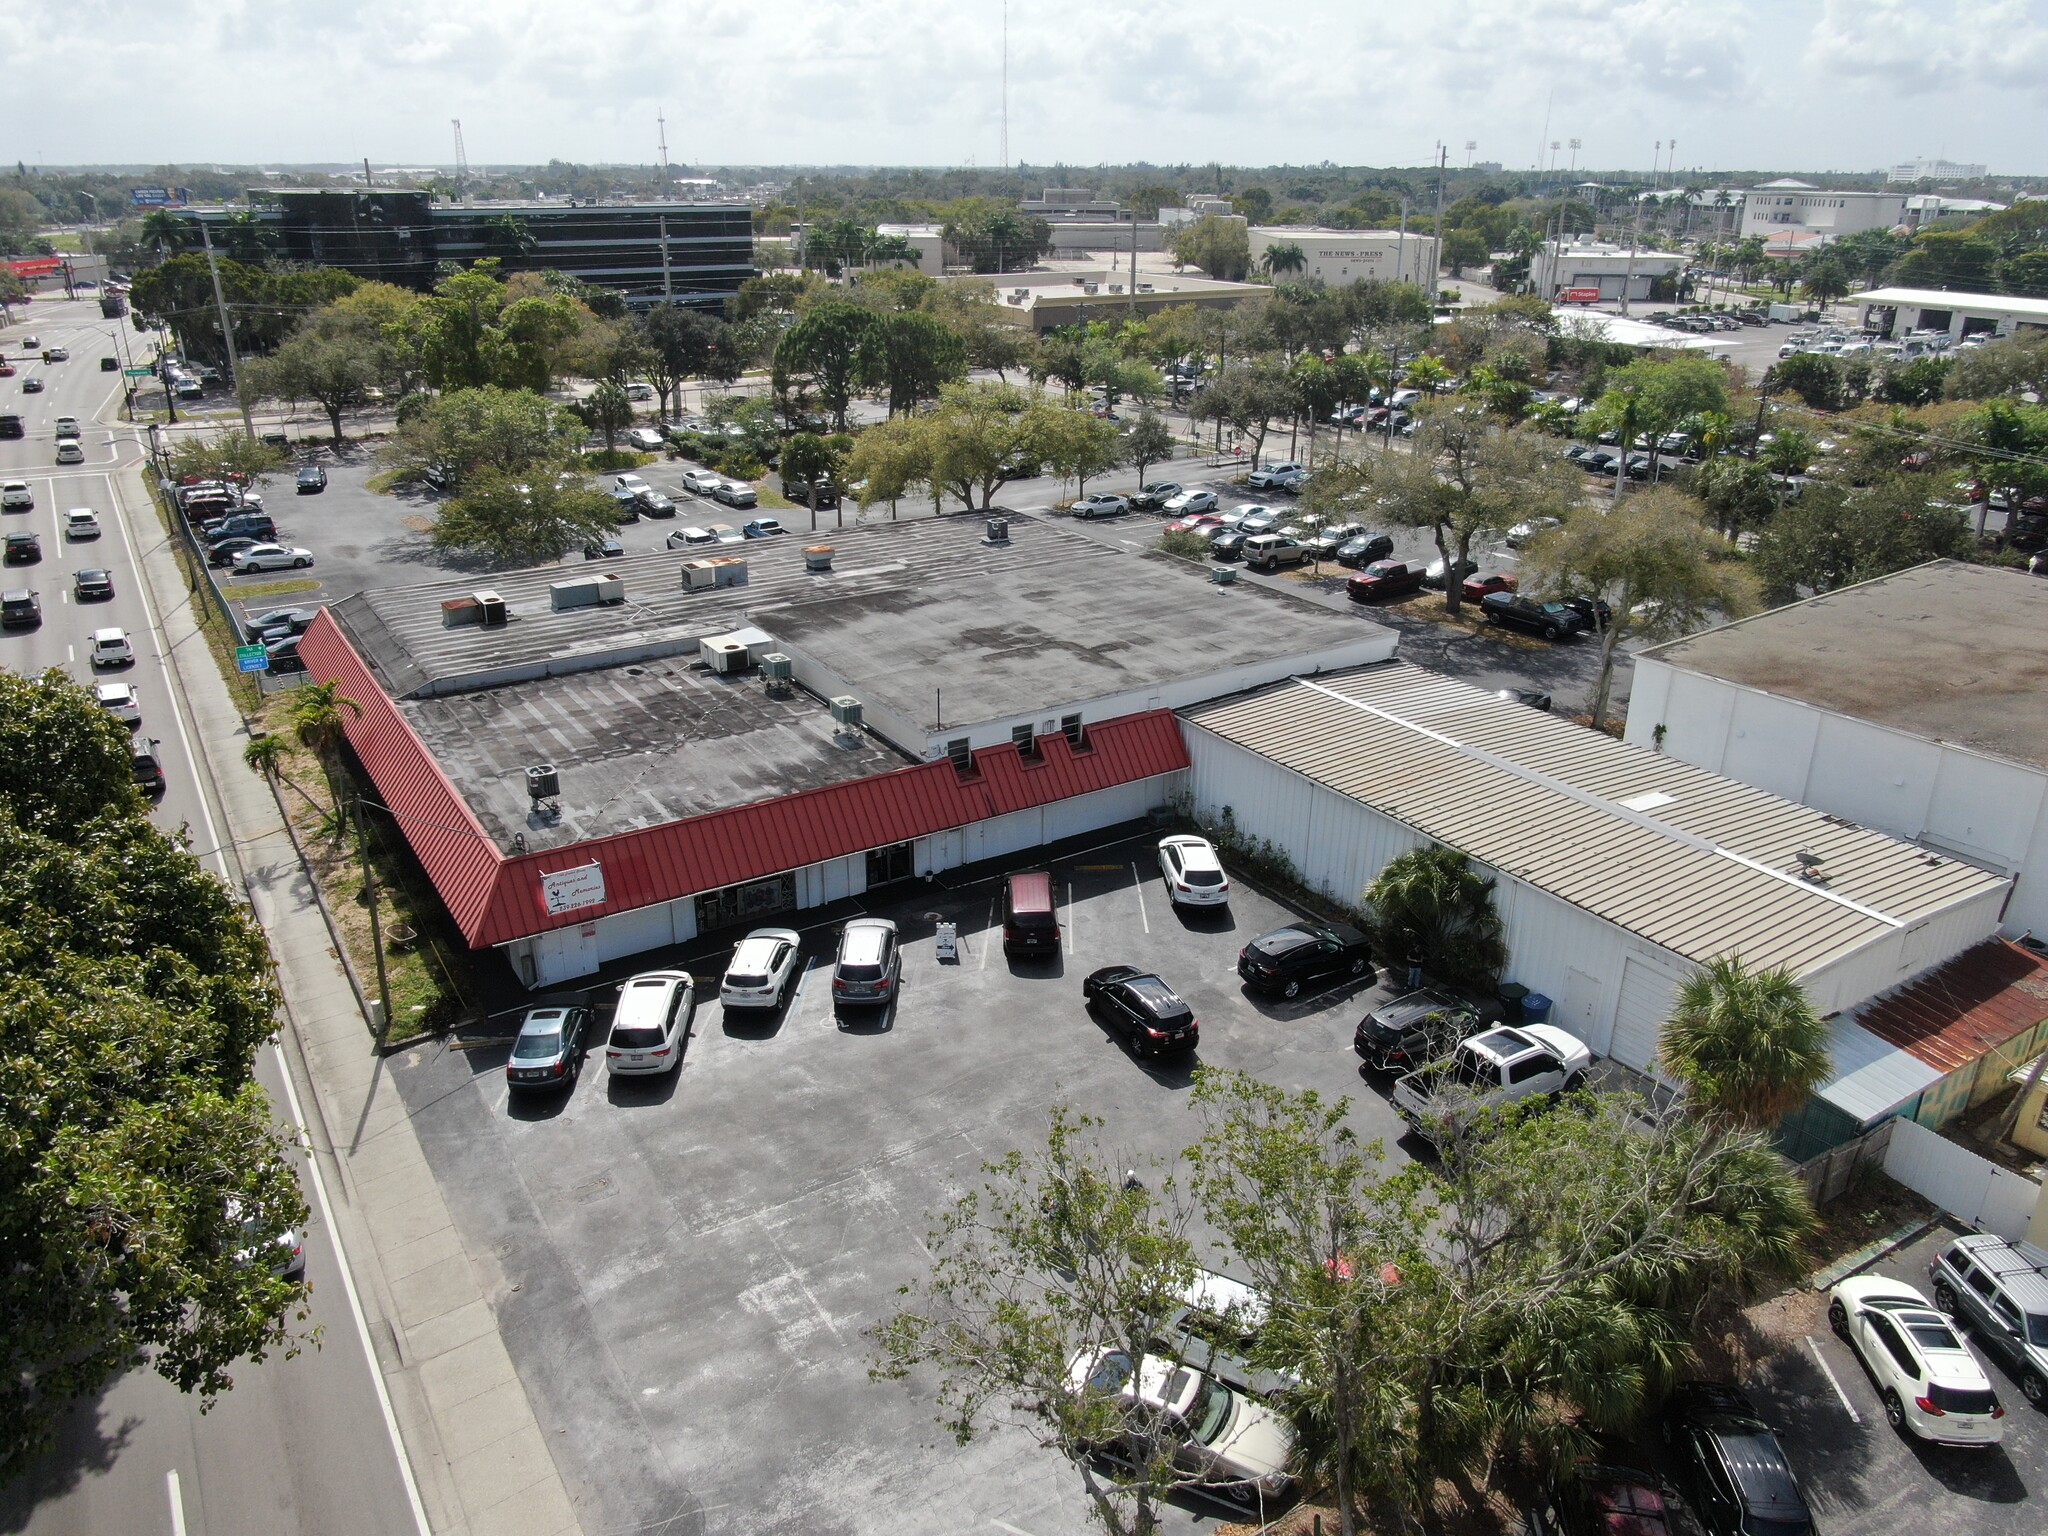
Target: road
(303, 1445)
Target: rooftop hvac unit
(723, 654)
(542, 782)
(777, 668)
(846, 712)
(999, 530)
(491, 610)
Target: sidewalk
(477, 1453)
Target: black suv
(1288, 960)
(1553, 621)
(1414, 1028)
(2000, 1290)
(1740, 1481)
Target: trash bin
(1535, 1009)
(1511, 995)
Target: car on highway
(1102, 504)
(1382, 579)
(283, 1254)
(1930, 1384)
(118, 700)
(1231, 1441)
(148, 765)
(759, 973)
(1147, 1014)
(1290, 960)
(1416, 1027)
(1732, 1464)
(81, 523)
(1154, 497)
(110, 648)
(869, 965)
(1364, 548)
(67, 426)
(22, 549)
(548, 1050)
(1512, 610)
(15, 496)
(20, 608)
(1186, 503)
(56, 354)
(272, 557)
(651, 1024)
(1273, 475)
(309, 481)
(93, 584)
(1193, 874)
(31, 385)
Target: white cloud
(1797, 84)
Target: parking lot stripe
(1004, 1525)
(990, 928)
(1070, 917)
(1822, 1360)
(796, 998)
(1138, 884)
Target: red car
(1476, 587)
(1195, 522)
(1384, 578)
(6, 370)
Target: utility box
(597, 591)
(491, 610)
(722, 654)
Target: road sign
(139, 373)
(252, 658)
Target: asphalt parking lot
(687, 1265)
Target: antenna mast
(661, 123)
(1005, 153)
(461, 162)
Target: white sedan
(1190, 501)
(760, 970)
(1194, 875)
(1925, 1375)
(1100, 506)
(272, 557)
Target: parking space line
(1821, 1360)
(1070, 917)
(990, 928)
(177, 1493)
(1138, 884)
(796, 998)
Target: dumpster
(1511, 994)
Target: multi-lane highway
(303, 1445)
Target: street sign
(251, 658)
(139, 373)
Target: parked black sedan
(1414, 1028)
(1288, 961)
(1144, 1010)
(1363, 548)
(1736, 1470)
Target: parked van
(1031, 923)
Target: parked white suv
(1926, 1377)
(1271, 475)
(1194, 875)
(1270, 551)
(651, 1024)
(760, 970)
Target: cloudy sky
(1791, 84)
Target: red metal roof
(494, 898)
(1971, 1005)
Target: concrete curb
(475, 1448)
(1869, 1253)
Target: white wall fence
(1971, 1188)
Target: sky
(1809, 85)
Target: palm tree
(319, 718)
(1431, 902)
(1285, 258)
(1747, 1045)
(506, 234)
(165, 230)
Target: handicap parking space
(689, 1263)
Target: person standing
(1415, 966)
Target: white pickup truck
(1487, 1070)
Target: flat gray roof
(1949, 651)
(635, 746)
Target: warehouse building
(1798, 207)
(1338, 257)
(1899, 312)
(1619, 869)
(594, 763)
(1592, 273)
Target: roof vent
(1653, 800)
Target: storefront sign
(567, 889)
(1580, 296)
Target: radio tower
(661, 123)
(1005, 155)
(461, 162)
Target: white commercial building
(1895, 312)
(1911, 704)
(1341, 256)
(1779, 208)
(1934, 170)
(1618, 868)
(1588, 273)
(927, 242)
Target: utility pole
(1133, 305)
(461, 162)
(1005, 152)
(227, 334)
(1628, 276)
(1443, 160)
(1401, 250)
(368, 180)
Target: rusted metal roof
(1956, 1012)
(495, 898)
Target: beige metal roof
(1712, 869)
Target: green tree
(607, 409)
(831, 345)
(1219, 246)
(1833, 536)
(1825, 279)
(334, 358)
(978, 439)
(1072, 442)
(1747, 1045)
(456, 324)
(1944, 259)
(1052, 1258)
(1062, 354)
(232, 456)
(514, 522)
(535, 335)
(2025, 273)
(810, 459)
(1652, 560)
(140, 1163)
(1656, 395)
(2004, 367)
(1246, 396)
(1814, 378)
(913, 356)
(680, 344)
(1148, 440)
(1464, 248)
(319, 716)
(468, 432)
(1430, 901)
(1918, 382)
(1284, 258)
(393, 315)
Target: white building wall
(1989, 811)
(1341, 256)
(1769, 213)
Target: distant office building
(1340, 256)
(1199, 207)
(1799, 208)
(1057, 205)
(696, 252)
(1933, 170)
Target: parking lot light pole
(227, 334)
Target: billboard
(35, 266)
(157, 197)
